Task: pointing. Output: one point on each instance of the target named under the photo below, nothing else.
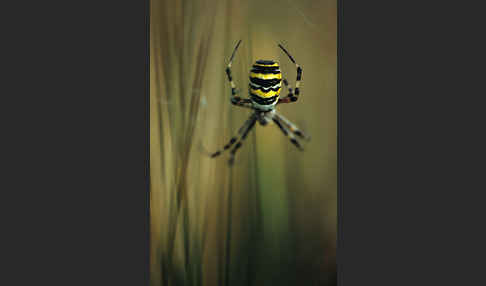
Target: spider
(264, 89)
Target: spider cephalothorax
(264, 94)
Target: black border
(77, 167)
(339, 244)
(147, 138)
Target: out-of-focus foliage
(271, 219)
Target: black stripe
(234, 51)
(297, 91)
(299, 133)
(296, 143)
(290, 57)
(215, 154)
(266, 67)
(265, 70)
(238, 145)
(228, 72)
(263, 101)
(265, 62)
(280, 125)
(265, 90)
(232, 141)
(248, 130)
(265, 82)
(299, 73)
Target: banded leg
(240, 142)
(243, 102)
(293, 128)
(230, 77)
(287, 133)
(242, 129)
(289, 95)
(292, 97)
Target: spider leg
(251, 123)
(287, 133)
(242, 102)
(292, 97)
(236, 100)
(293, 128)
(289, 96)
(286, 83)
(233, 139)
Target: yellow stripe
(266, 76)
(262, 65)
(265, 94)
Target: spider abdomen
(265, 84)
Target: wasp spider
(264, 89)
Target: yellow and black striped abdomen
(265, 82)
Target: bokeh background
(272, 218)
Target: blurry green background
(271, 219)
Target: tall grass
(269, 220)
